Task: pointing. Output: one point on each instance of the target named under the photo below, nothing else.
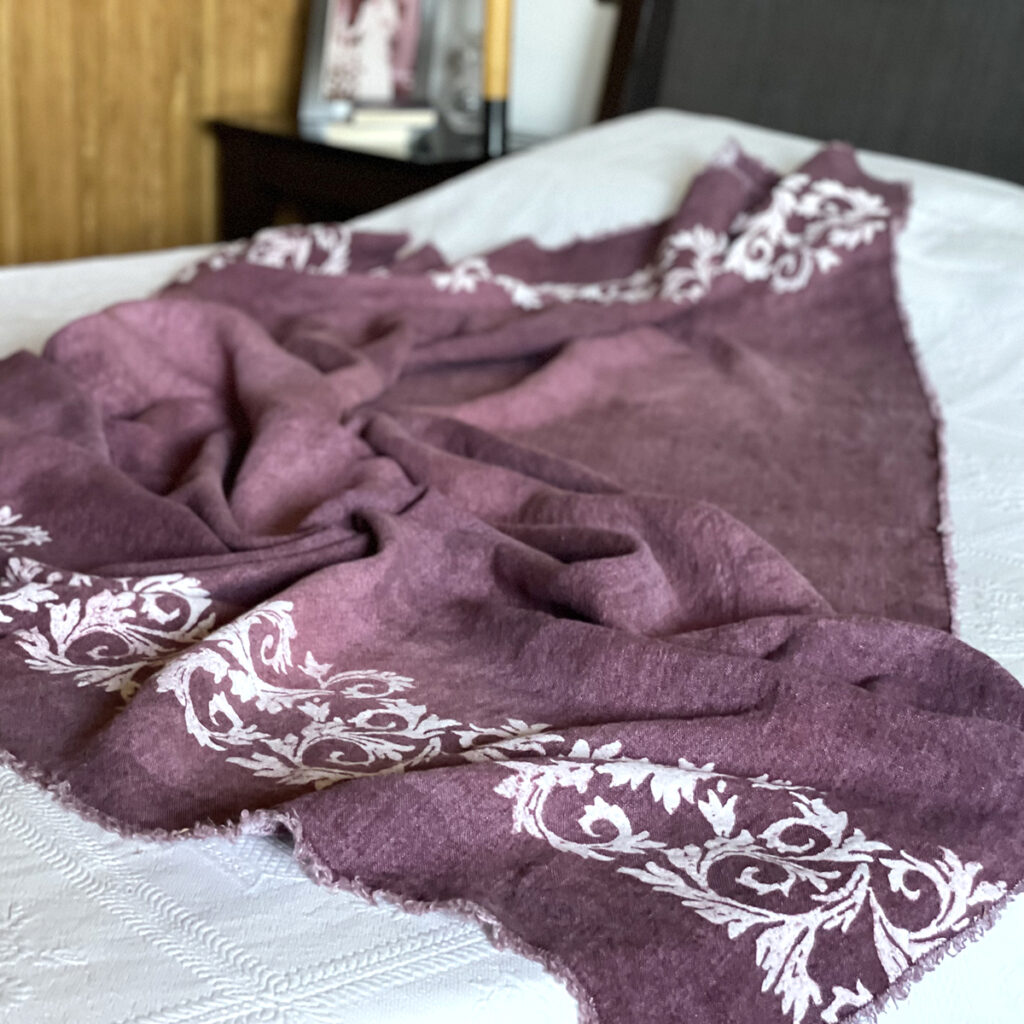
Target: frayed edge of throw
(60, 790)
(500, 936)
(904, 984)
(945, 527)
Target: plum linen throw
(597, 592)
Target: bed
(95, 928)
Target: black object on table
(274, 171)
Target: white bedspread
(96, 930)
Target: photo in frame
(365, 51)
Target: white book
(411, 117)
(385, 140)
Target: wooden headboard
(939, 80)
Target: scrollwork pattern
(337, 726)
(804, 228)
(811, 852)
(682, 271)
(15, 534)
(99, 632)
(106, 637)
(112, 634)
(324, 249)
(801, 230)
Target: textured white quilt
(97, 929)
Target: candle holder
(497, 46)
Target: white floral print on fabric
(317, 249)
(353, 723)
(810, 857)
(802, 229)
(15, 534)
(112, 633)
(683, 270)
(104, 633)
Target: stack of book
(384, 130)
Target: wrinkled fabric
(599, 592)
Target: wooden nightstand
(271, 173)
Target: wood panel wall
(102, 104)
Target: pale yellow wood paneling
(102, 104)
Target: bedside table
(273, 172)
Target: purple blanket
(597, 592)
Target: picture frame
(365, 51)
